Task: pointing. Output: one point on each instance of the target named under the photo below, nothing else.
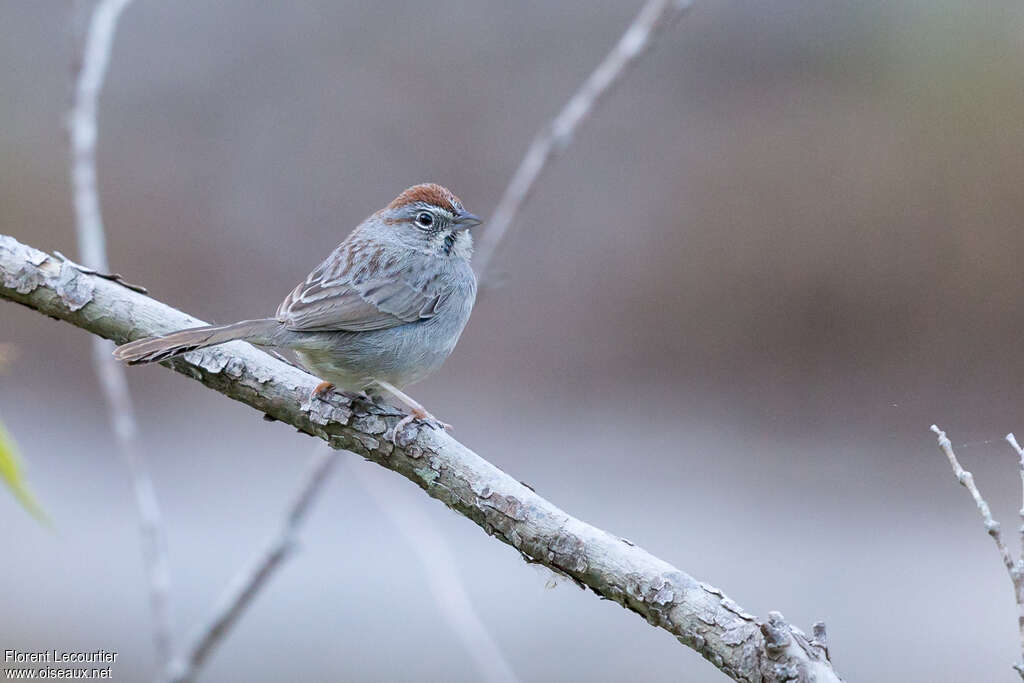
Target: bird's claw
(324, 390)
(421, 417)
(321, 390)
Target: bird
(383, 311)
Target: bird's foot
(417, 415)
(324, 390)
(321, 390)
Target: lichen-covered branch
(1014, 567)
(697, 614)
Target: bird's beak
(466, 220)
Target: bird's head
(430, 218)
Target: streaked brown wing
(356, 290)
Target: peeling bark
(699, 615)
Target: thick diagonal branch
(699, 615)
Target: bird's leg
(416, 412)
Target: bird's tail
(155, 349)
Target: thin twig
(654, 17)
(992, 527)
(93, 250)
(113, 277)
(1019, 585)
(1012, 440)
(247, 584)
(442, 575)
(8, 352)
(82, 122)
(967, 480)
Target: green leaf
(11, 473)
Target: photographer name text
(57, 656)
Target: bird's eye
(424, 219)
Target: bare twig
(247, 583)
(654, 17)
(1013, 567)
(1012, 440)
(92, 246)
(699, 615)
(115, 277)
(8, 352)
(84, 131)
(967, 480)
(1018, 587)
(442, 575)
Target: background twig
(654, 17)
(1013, 567)
(1012, 440)
(93, 252)
(441, 573)
(240, 593)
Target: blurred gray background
(784, 246)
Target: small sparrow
(383, 311)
